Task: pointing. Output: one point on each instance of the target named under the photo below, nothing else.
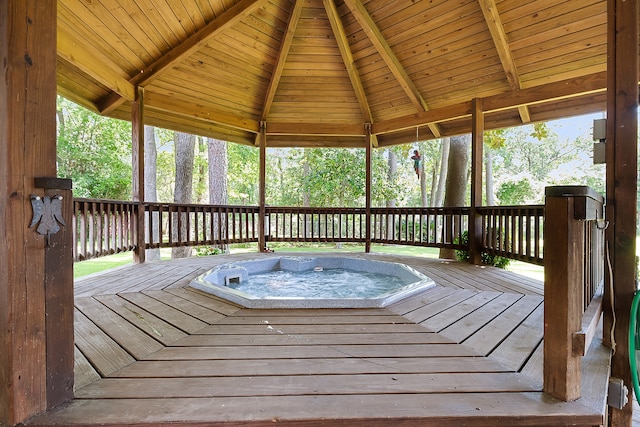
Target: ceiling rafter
(375, 36)
(76, 53)
(167, 61)
(294, 17)
(496, 29)
(349, 63)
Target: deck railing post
(566, 209)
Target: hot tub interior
(312, 282)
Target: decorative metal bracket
(47, 211)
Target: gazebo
(282, 73)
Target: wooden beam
(566, 89)
(368, 178)
(232, 16)
(496, 29)
(294, 17)
(27, 150)
(262, 191)
(326, 129)
(137, 171)
(477, 145)
(622, 167)
(347, 58)
(83, 58)
(178, 107)
(375, 36)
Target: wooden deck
(150, 351)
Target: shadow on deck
(150, 351)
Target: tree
(456, 185)
(218, 169)
(185, 152)
(94, 151)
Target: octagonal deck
(151, 351)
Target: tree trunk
(456, 183)
(444, 165)
(150, 188)
(185, 151)
(392, 162)
(218, 167)
(488, 167)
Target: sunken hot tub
(312, 282)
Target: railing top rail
(511, 207)
(104, 201)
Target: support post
(367, 242)
(137, 172)
(477, 145)
(563, 278)
(621, 158)
(27, 151)
(262, 238)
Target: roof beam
(349, 63)
(375, 36)
(492, 18)
(565, 89)
(294, 17)
(236, 13)
(78, 55)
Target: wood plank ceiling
(317, 71)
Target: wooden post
(27, 151)
(262, 238)
(59, 296)
(477, 145)
(563, 279)
(137, 172)
(367, 208)
(621, 156)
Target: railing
(572, 286)
(102, 227)
(432, 227)
(514, 232)
(171, 225)
(105, 227)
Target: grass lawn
(92, 266)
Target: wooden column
(477, 145)
(563, 289)
(27, 151)
(137, 172)
(622, 128)
(262, 238)
(367, 205)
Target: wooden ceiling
(317, 71)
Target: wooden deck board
(466, 352)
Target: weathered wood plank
(472, 409)
(199, 312)
(171, 315)
(103, 352)
(147, 322)
(83, 372)
(355, 328)
(307, 351)
(278, 337)
(288, 385)
(458, 311)
(134, 340)
(206, 300)
(255, 367)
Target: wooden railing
(432, 227)
(105, 227)
(102, 227)
(574, 277)
(514, 232)
(171, 225)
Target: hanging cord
(612, 337)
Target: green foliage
(485, 258)
(94, 151)
(514, 192)
(243, 169)
(208, 251)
